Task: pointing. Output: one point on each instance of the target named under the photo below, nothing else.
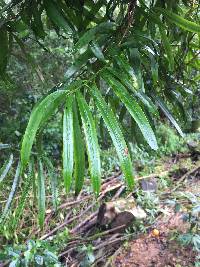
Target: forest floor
(168, 236)
(162, 250)
(155, 241)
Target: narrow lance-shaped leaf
(23, 197)
(3, 49)
(40, 115)
(37, 24)
(94, 8)
(139, 94)
(12, 193)
(116, 135)
(168, 114)
(180, 21)
(41, 194)
(147, 102)
(34, 182)
(124, 66)
(6, 167)
(91, 33)
(79, 152)
(177, 102)
(55, 14)
(68, 140)
(135, 60)
(78, 64)
(83, 58)
(91, 143)
(167, 48)
(134, 109)
(53, 181)
(154, 69)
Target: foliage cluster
(131, 63)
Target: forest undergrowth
(167, 189)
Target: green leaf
(93, 13)
(124, 66)
(90, 35)
(168, 114)
(91, 143)
(139, 94)
(134, 109)
(24, 194)
(55, 14)
(180, 21)
(138, 39)
(135, 60)
(79, 153)
(12, 193)
(167, 48)
(116, 135)
(79, 62)
(53, 181)
(68, 143)
(147, 102)
(69, 14)
(41, 194)
(6, 167)
(97, 51)
(40, 114)
(82, 59)
(34, 182)
(125, 78)
(177, 101)
(37, 24)
(154, 69)
(3, 49)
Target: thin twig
(111, 242)
(90, 217)
(153, 175)
(69, 221)
(107, 189)
(118, 193)
(72, 203)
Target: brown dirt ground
(150, 251)
(161, 251)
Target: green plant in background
(192, 217)
(122, 64)
(191, 238)
(34, 253)
(169, 141)
(149, 202)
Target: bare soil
(159, 251)
(162, 250)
